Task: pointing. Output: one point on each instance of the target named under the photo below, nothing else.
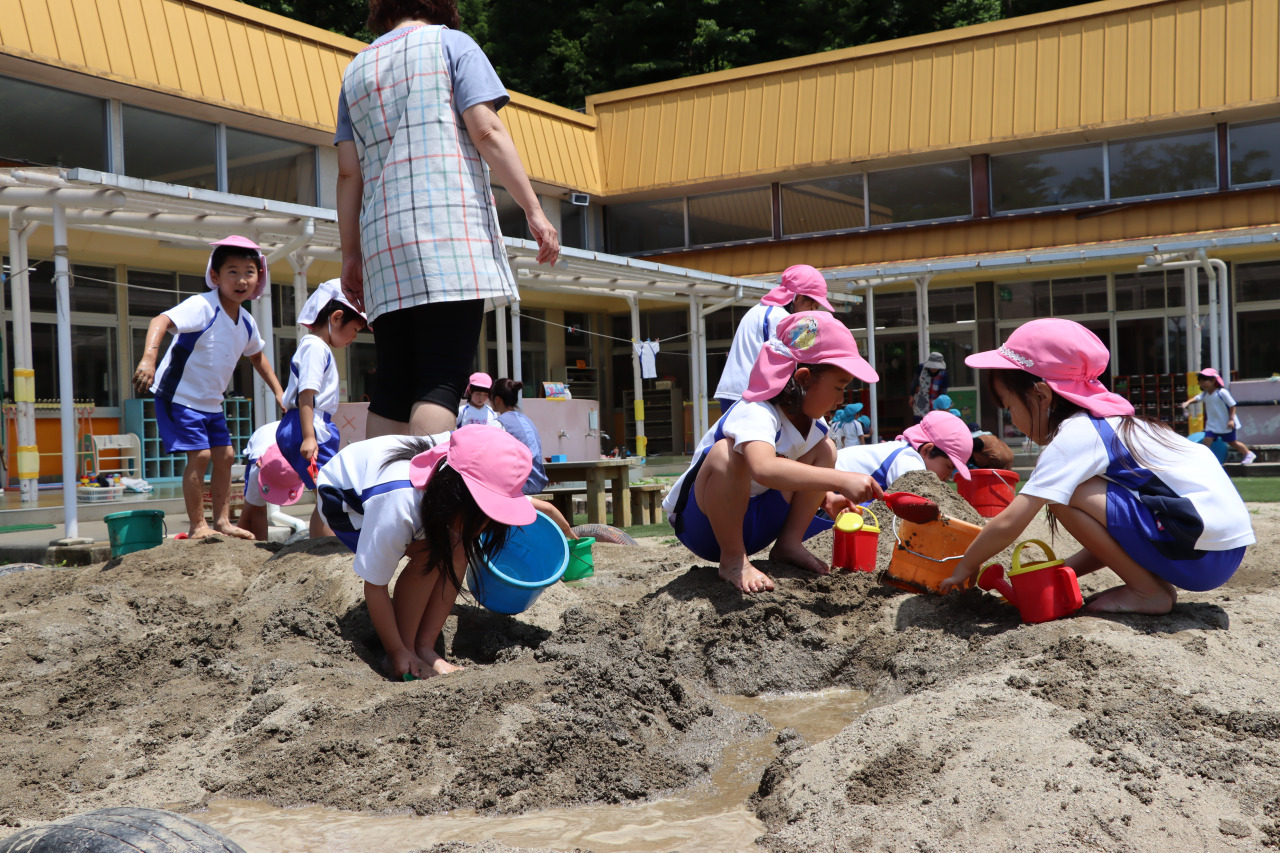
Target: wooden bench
(646, 503)
(561, 497)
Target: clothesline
(601, 334)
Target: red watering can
(1041, 591)
(856, 539)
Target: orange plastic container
(926, 554)
(988, 490)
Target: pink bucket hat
(264, 272)
(1211, 373)
(1066, 355)
(481, 381)
(278, 482)
(493, 464)
(799, 280)
(810, 337)
(947, 433)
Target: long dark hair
(447, 509)
(385, 14)
(791, 398)
(508, 391)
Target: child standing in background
(940, 443)
(307, 436)
(211, 332)
(1219, 413)
(846, 430)
(475, 408)
(1140, 499)
(761, 474)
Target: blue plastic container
(1219, 447)
(559, 457)
(533, 559)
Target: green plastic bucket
(581, 565)
(135, 530)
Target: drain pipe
(1224, 316)
(61, 278)
(871, 359)
(1211, 275)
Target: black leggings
(425, 354)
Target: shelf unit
(160, 467)
(1157, 395)
(584, 382)
(663, 420)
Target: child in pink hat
(211, 332)
(1219, 413)
(801, 288)
(762, 472)
(268, 479)
(475, 408)
(429, 499)
(940, 443)
(1142, 500)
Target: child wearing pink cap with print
(1219, 413)
(803, 289)
(762, 472)
(940, 443)
(475, 408)
(211, 330)
(1142, 500)
(429, 499)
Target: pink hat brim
(991, 360)
(921, 433)
(516, 510)
(779, 297)
(771, 371)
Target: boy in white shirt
(1219, 413)
(211, 332)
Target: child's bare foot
(229, 529)
(1124, 599)
(744, 576)
(438, 664)
(798, 556)
(200, 531)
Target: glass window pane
(1257, 282)
(169, 148)
(1140, 346)
(1255, 152)
(282, 314)
(725, 217)
(1079, 295)
(895, 309)
(919, 193)
(955, 346)
(93, 362)
(645, 226)
(267, 167)
(1140, 291)
(1046, 178)
(1169, 163)
(952, 305)
(830, 204)
(511, 219)
(87, 294)
(1023, 300)
(573, 225)
(50, 127)
(151, 293)
(1258, 342)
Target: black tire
(121, 830)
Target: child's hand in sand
(959, 579)
(404, 661)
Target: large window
(1024, 300)
(827, 204)
(726, 217)
(1047, 178)
(511, 219)
(169, 148)
(1158, 165)
(1258, 283)
(1255, 152)
(152, 293)
(645, 226)
(895, 310)
(1140, 291)
(951, 305)
(51, 127)
(266, 167)
(1058, 298)
(93, 362)
(88, 292)
(1258, 344)
(920, 193)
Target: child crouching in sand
(940, 443)
(1142, 500)
(762, 472)
(430, 499)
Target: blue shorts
(1228, 437)
(1139, 532)
(289, 440)
(765, 516)
(330, 502)
(182, 429)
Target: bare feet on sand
(798, 556)
(744, 576)
(439, 665)
(1123, 599)
(201, 531)
(230, 529)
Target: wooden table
(596, 472)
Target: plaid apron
(428, 222)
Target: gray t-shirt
(474, 80)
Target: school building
(1117, 163)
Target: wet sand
(222, 670)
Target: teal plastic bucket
(533, 559)
(581, 564)
(135, 530)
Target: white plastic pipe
(502, 368)
(1225, 354)
(517, 369)
(637, 381)
(695, 377)
(871, 359)
(280, 518)
(62, 283)
(704, 401)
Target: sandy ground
(221, 669)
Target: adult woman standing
(421, 250)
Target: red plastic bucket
(988, 490)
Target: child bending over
(940, 443)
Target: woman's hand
(545, 233)
(353, 281)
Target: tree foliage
(564, 50)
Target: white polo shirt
(870, 458)
(759, 324)
(202, 357)
(313, 368)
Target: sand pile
(224, 669)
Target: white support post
(1225, 356)
(1192, 290)
(695, 375)
(517, 369)
(264, 402)
(871, 359)
(28, 453)
(922, 314)
(502, 368)
(301, 264)
(704, 401)
(642, 443)
(62, 284)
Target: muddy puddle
(710, 818)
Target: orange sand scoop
(911, 507)
(926, 554)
